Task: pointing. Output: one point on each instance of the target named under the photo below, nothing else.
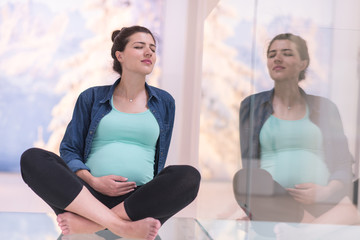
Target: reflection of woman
(111, 172)
(298, 139)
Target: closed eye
(285, 52)
(288, 52)
(141, 47)
(271, 55)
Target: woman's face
(139, 55)
(284, 62)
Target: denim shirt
(257, 108)
(93, 104)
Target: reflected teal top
(292, 151)
(124, 145)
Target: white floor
(215, 199)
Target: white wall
(182, 72)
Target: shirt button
(91, 132)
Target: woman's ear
(304, 64)
(119, 56)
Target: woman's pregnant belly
(132, 161)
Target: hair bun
(114, 34)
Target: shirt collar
(268, 96)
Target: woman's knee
(186, 173)
(192, 174)
(33, 161)
(26, 162)
(30, 156)
(188, 179)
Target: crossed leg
(337, 219)
(170, 191)
(101, 217)
(72, 223)
(49, 177)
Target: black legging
(51, 179)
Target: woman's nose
(148, 52)
(277, 58)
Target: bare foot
(71, 223)
(146, 228)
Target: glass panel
(242, 230)
(299, 153)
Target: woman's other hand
(110, 185)
(309, 193)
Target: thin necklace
(131, 100)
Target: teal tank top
(292, 151)
(124, 144)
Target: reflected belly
(295, 167)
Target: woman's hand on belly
(112, 185)
(308, 193)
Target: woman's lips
(147, 61)
(278, 68)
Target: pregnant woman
(110, 172)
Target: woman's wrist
(86, 176)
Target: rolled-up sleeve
(73, 144)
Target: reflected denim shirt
(93, 104)
(257, 108)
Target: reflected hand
(308, 193)
(112, 185)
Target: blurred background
(211, 54)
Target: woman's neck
(130, 87)
(287, 95)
